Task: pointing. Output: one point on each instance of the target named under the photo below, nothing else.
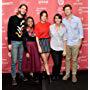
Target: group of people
(62, 38)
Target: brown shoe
(74, 78)
(66, 76)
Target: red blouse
(42, 30)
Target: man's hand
(64, 53)
(10, 47)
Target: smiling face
(67, 11)
(44, 17)
(57, 20)
(22, 10)
(30, 22)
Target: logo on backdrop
(60, 2)
(43, 1)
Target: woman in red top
(42, 32)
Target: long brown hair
(20, 7)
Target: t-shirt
(42, 30)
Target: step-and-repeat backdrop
(80, 8)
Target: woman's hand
(40, 50)
(27, 55)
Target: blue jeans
(17, 54)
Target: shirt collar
(71, 17)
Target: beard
(19, 12)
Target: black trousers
(57, 60)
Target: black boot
(49, 79)
(57, 77)
(44, 74)
(37, 77)
(54, 78)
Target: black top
(15, 27)
(28, 37)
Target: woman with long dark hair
(42, 32)
(31, 48)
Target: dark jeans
(57, 59)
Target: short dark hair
(59, 16)
(41, 13)
(67, 5)
(26, 25)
